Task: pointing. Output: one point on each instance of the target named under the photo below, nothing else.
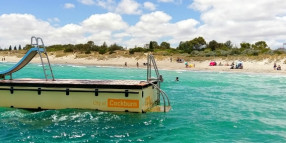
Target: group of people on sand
(3, 59)
(137, 64)
(189, 65)
(276, 67)
(236, 65)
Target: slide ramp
(23, 62)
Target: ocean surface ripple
(206, 107)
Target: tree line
(199, 47)
(195, 47)
(10, 48)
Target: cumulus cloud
(14, 33)
(55, 19)
(69, 6)
(242, 20)
(98, 28)
(87, 2)
(104, 22)
(165, 0)
(128, 7)
(107, 4)
(220, 20)
(157, 25)
(150, 6)
(171, 1)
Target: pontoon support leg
(11, 76)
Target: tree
(27, 47)
(228, 44)
(261, 46)
(183, 46)
(153, 45)
(15, 48)
(244, 46)
(20, 48)
(114, 47)
(213, 45)
(10, 48)
(90, 43)
(165, 45)
(192, 45)
(198, 43)
(136, 49)
(103, 48)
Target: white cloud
(98, 28)
(69, 5)
(15, 28)
(101, 22)
(156, 26)
(220, 20)
(107, 4)
(171, 1)
(165, 0)
(54, 20)
(128, 7)
(149, 6)
(87, 2)
(242, 20)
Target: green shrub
(68, 50)
(87, 52)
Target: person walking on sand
(274, 66)
(125, 64)
(137, 64)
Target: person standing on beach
(274, 66)
(125, 64)
(137, 64)
(186, 64)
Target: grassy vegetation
(196, 49)
(159, 54)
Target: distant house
(146, 46)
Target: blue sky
(50, 9)
(136, 22)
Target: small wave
(180, 71)
(12, 114)
(74, 66)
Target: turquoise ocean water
(206, 107)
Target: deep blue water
(206, 107)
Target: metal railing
(38, 43)
(151, 61)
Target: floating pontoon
(105, 95)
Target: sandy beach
(264, 66)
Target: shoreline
(261, 67)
